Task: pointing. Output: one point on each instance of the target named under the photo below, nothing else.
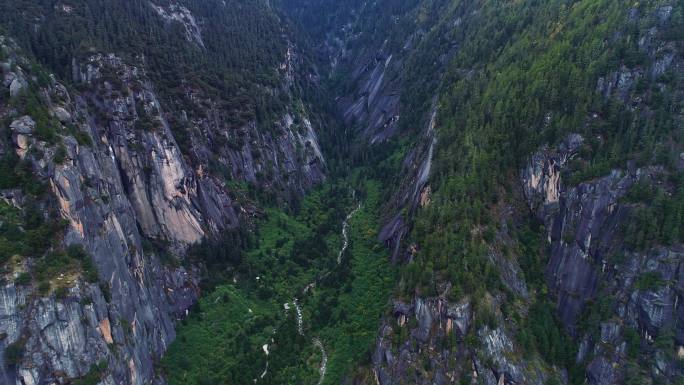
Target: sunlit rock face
(98, 190)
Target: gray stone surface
(128, 185)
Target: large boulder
(60, 113)
(24, 125)
(16, 86)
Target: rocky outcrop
(178, 13)
(421, 324)
(171, 201)
(423, 343)
(287, 159)
(22, 129)
(414, 191)
(282, 156)
(374, 107)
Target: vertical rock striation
(124, 184)
(589, 261)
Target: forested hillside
(237, 63)
(546, 115)
(227, 74)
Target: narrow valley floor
(304, 303)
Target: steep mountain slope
(227, 74)
(386, 61)
(600, 83)
(132, 130)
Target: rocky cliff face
(619, 302)
(413, 193)
(282, 156)
(590, 262)
(123, 182)
(387, 97)
(423, 343)
(171, 200)
(375, 103)
(594, 265)
(123, 187)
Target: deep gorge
(341, 192)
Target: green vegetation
(14, 352)
(222, 339)
(633, 343)
(225, 332)
(29, 233)
(542, 333)
(15, 173)
(82, 138)
(25, 233)
(29, 103)
(60, 154)
(349, 303)
(532, 255)
(595, 312)
(525, 74)
(657, 217)
(243, 47)
(59, 269)
(544, 61)
(649, 281)
(94, 376)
